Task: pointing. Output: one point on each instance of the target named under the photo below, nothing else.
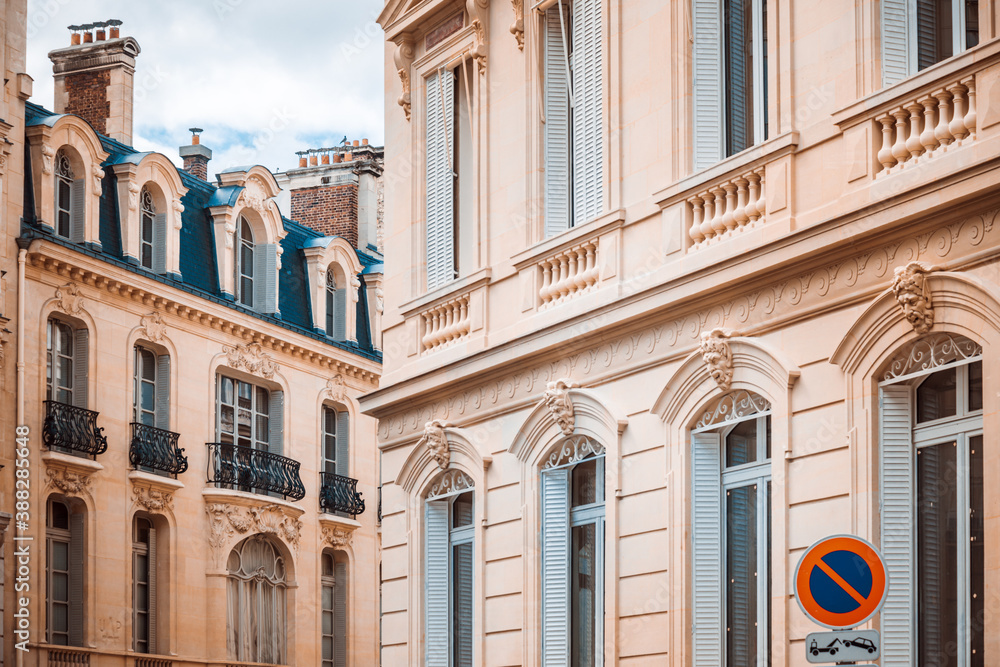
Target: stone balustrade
(445, 323)
(727, 208)
(569, 273)
(927, 125)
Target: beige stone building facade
(673, 291)
(200, 484)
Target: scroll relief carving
(69, 299)
(517, 27)
(228, 521)
(254, 195)
(477, 12)
(69, 482)
(152, 327)
(133, 196)
(178, 209)
(913, 295)
(718, 356)
(337, 536)
(48, 157)
(152, 499)
(436, 440)
(403, 58)
(560, 404)
(335, 389)
(252, 358)
(355, 288)
(98, 175)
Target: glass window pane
(148, 396)
(937, 554)
(976, 547)
(461, 512)
(584, 594)
(934, 32)
(148, 364)
(60, 618)
(971, 23)
(60, 556)
(976, 386)
(147, 229)
(226, 421)
(327, 648)
(60, 586)
(327, 618)
(463, 601)
(936, 396)
(741, 444)
(741, 576)
(738, 47)
(60, 516)
(585, 483)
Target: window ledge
(596, 227)
(71, 463)
(245, 499)
(443, 293)
(157, 482)
(333, 521)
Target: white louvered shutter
(77, 211)
(555, 568)
(276, 423)
(160, 243)
(436, 595)
(440, 178)
(707, 73)
(266, 278)
(81, 364)
(895, 41)
(343, 443)
(163, 392)
(77, 554)
(556, 132)
(462, 568)
(340, 314)
(706, 503)
(588, 111)
(897, 524)
(151, 574)
(340, 615)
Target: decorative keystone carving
(48, 157)
(718, 357)
(252, 358)
(335, 389)
(227, 521)
(337, 537)
(254, 195)
(477, 14)
(69, 482)
(152, 327)
(913, 295)
(152, 499)
(403, 58)
(517, 27)
(436, 440)
(133, 196)
(560, 404)
(69, 299)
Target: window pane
(738, 45)
(227, 419)
(327, 649)
(327, 617)
(971, 23)
(741, 444)
(741, 576)
(60, 586)
(976, 386)
(147, 228)
(976, 545)
(148, 396)
(584, 594)
(60, 516)
(934, 32)
(147, 256)
(60, 556)
(585, 483)
(462, 612)
(936, 396)
(937, 554)
(60, 618)
(462, 510)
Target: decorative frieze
(153, 499)
(251, 358)
(70, 482)
(228, 521)
(336, 536)
(560, 405)
(718, 356)
(436, 440)
(913, 295)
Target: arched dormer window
(245, 264)
(336, 306)
(69, 200)
(334, 284)
(147, 240)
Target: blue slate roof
(198, 263)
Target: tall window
(336, 306)
(64, 195)
(67, 360)
(931, 439)
(244, 414)
(334, 619)
(151, 391)
(731, 508)
(449, 538)
(257, 600)
(64, 574)
(335, 441)
(573, 554)
(245, 264)
(144, 586)
(573, 99)
(147, 213)
(919, 33)
(730, 78)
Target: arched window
(334, 596)
(449, 534)
(245, 264)
(64, 574)
(573, 553)
(69, 193)
(66, 376)
(931, 440)
(148, 240)
(731, 507)
(336, 302)
(144, 585)
(257, 600)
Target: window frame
(147, 214)
(147, 549)
(64, 176)
(254, 438)
(62, 536)
(53, 356)
(245, 238)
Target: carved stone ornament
(379, 300)
(913, 295)
(335, 389)
(337, 536)
(718, 357)
(254, 195)
(178, 209)
(153, 328)
(4, 339)
(251, 358)
(477, 12)
(517, 27)
(152, 499)
(450, 482)
(69, 482)
(560, 405)
(230, 235)
(355, 287)
(48, 157)
(98, 175)
(133, 196)
(69, 299)
(227, 521)
(436, 440)
(403, 58)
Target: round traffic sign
(841, 581)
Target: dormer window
(331, 302)
(69, 200)
(146, 226)
(244, 264)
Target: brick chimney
(93, 78)
(196, 156)
(335, 191)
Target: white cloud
(263, 79)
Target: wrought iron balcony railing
(156, 449)
(340, 494)
(71, 428)
(253, 470)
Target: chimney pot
(364, 142)
(195, 135)
(74, 39)
(114, 23)
(336, 158)
(326, 158)
(196, 156)
(88, 37)
(100, 35)
(312, 160)
(348, 157)
(303, 162)
(355, 142)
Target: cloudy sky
(264, 79)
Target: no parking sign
(841, 582)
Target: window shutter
(588, 108)
(706, 498)
(160, 243)
(77, 214)
(259, 269)
(163, 392)
(556, 130)
(340, 615)
(340, 314)
(343, 443)
(895, 41)
(152, 590)
(927, 46)
(266, 278)
(463, 604)
(896, 482)
(276, 423)
(555, 568)
(707, 73)
(77, 553)
(440, 178)
(436, 585)
(81, 363)
(738, 73)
